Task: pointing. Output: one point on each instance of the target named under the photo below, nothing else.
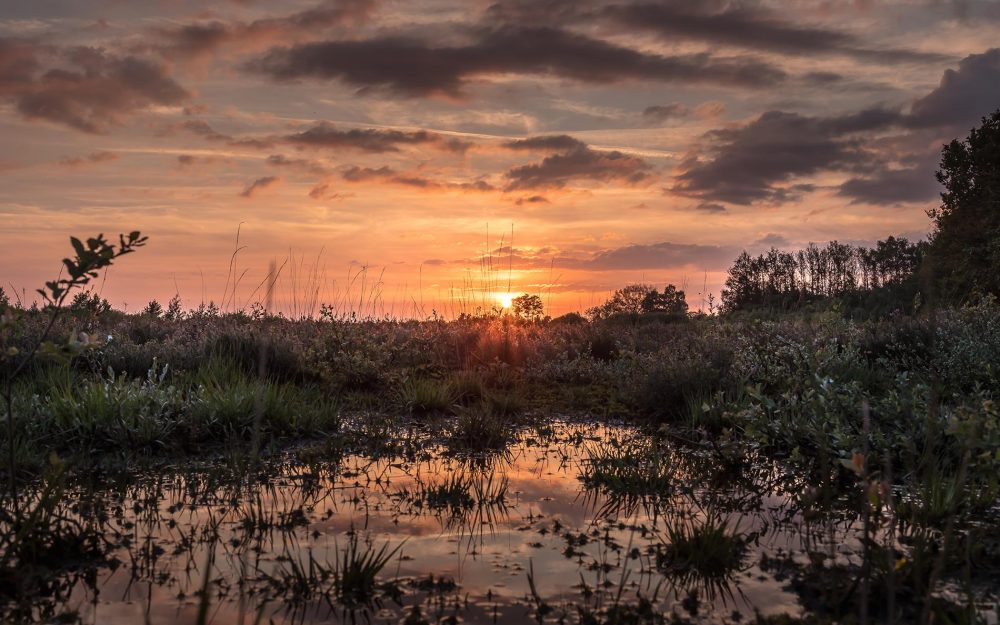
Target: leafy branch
(90, 258)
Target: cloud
(409, 67)
(772, 239)
(963, 96)
(557, 170)
(101, 156)
(324, 191)
(546, 143)
(374, 140)
(753, 162)
(531, 199)
(663, 255)
(323, 135)
(912, 181)
(18, 64)
(391, 176)
(259, 185)
(201, 40)
(661, 113)
(306, 165)
(748, 26)
(720, 22)
(710, 207)
(202, 128)
(83, 88)
(572, 159)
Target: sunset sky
(622, 141)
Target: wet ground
(571, 522)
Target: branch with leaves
(90, 258)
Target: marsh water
(556, 527)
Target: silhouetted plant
(90, 258)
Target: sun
(506, 299)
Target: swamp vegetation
(806, 468)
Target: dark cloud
(325, 135)
(303, 164)
(752, 162)
(748, 26)
(661, 113)
(83, 88)
(374, 140)
(202, 39)
(710, 207)
(664, 255)
(772, 239)
(719, 22)
(755, 162)
(412, 68)
(101, 156)
(531, 199)
(325, 191)
(18, 65)
(572, 160)
(391, 176)
(202, 128)
(259, 185)
(964, 95)
(546, 143)
(911, 181)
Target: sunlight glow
(506, 299)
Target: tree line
(785, 280)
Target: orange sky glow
(406, 158)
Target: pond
(572, 522)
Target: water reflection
(604, 518)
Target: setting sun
(506, 299)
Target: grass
(480, 429)
(708, 547)
(424, 397)
(352, 579)
(630, 468)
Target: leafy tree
(153, 309)
(89, 303)
(528, 307)
(670, 301)
(965, 244)
(174, 310)
(625, 301)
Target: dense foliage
(966, 239)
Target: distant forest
(789, 280)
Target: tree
(153, 309)
(965, 243)
(625, 301)
(670, 301)
(174, 310)
(528, 307)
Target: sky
(431, 156)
